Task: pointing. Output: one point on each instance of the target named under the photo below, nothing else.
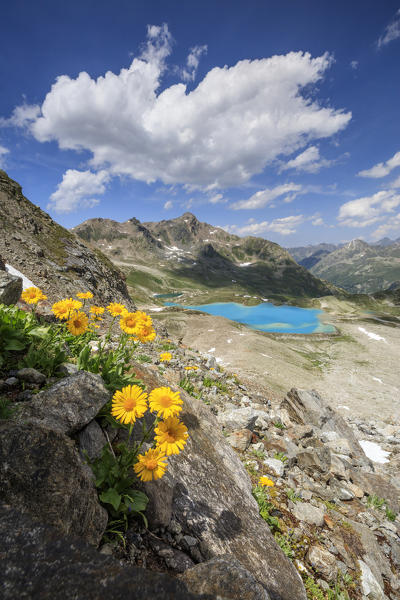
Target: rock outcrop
(51, 256)
(208, 492)
(41, 473)
(42, 564)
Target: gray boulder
(308, 513)
(226, 577)
(92, 440)
(374, 484)
(240, 418)
(41, 473)
(209, 495)
(10, 288)
(308, 408)
(31, 376)
(68, 405)
(39, 563)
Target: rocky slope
(357, 267)
(331, 515)
(49, 255)
(185, 253)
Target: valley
(356, 370)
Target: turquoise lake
(267, 316)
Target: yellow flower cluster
(165, 356)
(171, 434)
(138, 324)
(33, 295)
(266, 482)
(64, 308)
(84, 295)
(191, 368)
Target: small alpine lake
(267, 316)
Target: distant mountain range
(357, 267)
(185, 253)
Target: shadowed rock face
(41, 564)
(41, 473)
(208, 491)
(51, 256)
(10, 288)
(68, 405)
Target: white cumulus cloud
(309, 161)
(392, 31)
(192, 62)
(263, 197)
(392, 225)
(236, 121)
(168, 205)
(369, 209)
(22, 116)
(284, 226)
(77, 189)
(382, 169)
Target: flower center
(77, 323)
(165, 401)
(130, 323)
(151, 464)
(170, 437)
(129, 404)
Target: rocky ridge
(185, 253)
(50, 256)
(357, 266)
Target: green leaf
(138, 500)
(14, 344)
(40, 331)
(112, 497)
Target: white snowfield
(374, 451)
(245, 264)
(373, 336)
(25, 281)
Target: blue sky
(278, 119)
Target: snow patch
(245, 264)
(343, 406)
(210, 330)
(373, 336)
(229, 341)
(157, 309)
(266, 355)
(377, 379)
(374, 452)
(211, 350)
(25, 281)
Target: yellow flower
(97, 310)
(143, 318)
(116, 310)
(63, 308)
(77, 323)
(84, 295)
(145, 333)
(266, 481)
(171, 435)
(165, 402)
(60, 310)
(129, 404)
(191, 368)
(151, 465)
(129, 322)
(33, 295)
(165, 356)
